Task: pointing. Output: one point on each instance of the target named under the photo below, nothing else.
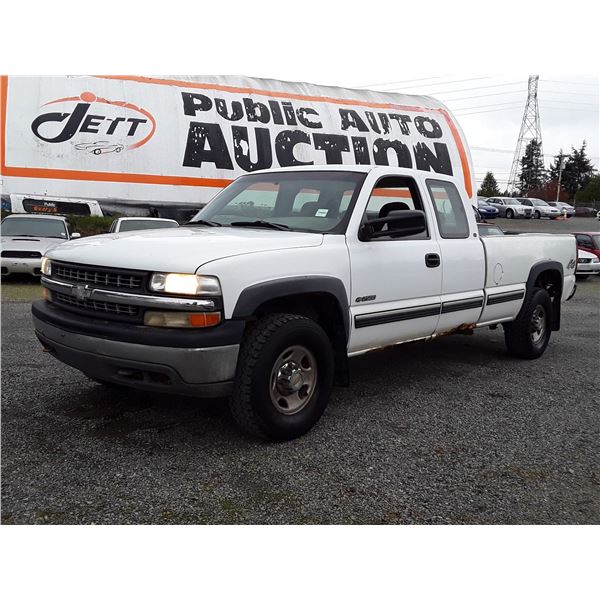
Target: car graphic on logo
(101, 147)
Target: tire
(537, 214)
(97, 151)
(280, 352)
(509, 214)
(528, 336)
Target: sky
(490, 111)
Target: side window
(394, 194)
(449, 209)
(584, 240)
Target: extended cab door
(462, 256)
(396, 282)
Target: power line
(487, 105)
(444, 83)
(395, 82)
(483, 87)
(570, 82)
(484, 96)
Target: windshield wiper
(202, 222)
(265, 224)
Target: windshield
(27, 227)
(300, 201)
(539, 203)
(596, 240)
(136, 224)
(512, 202)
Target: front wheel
(284, 377)
(509, 214)
(537, 214)
(528, 335)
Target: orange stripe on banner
(198, 181)
(3, 98)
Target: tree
(533, 174)
(489, 186)
(548, 192)
(590, 194)
(577, 170)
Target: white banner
(149, 139)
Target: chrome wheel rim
(293, 380)
(537, 328)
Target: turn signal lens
(46, 266)
(181, 319)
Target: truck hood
(30, 244)
(180, 250)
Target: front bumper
(192, 370)
(587, 268)
(29, 266)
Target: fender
(536, 270)
(252, 297)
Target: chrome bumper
(190, 371)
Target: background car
(541, 208)
(564, 208)
(589, 241)
(511, 208)
(487, 211)
(584, 211)
(25, 240)
(587, 264)
(138, 223)
(487, 229)
(100, 147)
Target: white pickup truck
(265, 294)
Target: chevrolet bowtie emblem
(82, 291)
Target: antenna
(530, 130)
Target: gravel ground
(449, 431)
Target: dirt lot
(450, 431)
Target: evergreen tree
(533, 174)
(489, 186)
(578, 171)
(590, 194)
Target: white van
(49, 205)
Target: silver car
(26, 238)
(541, 208)
(565, 209)
(511, 208)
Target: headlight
(595, 260)
(185, 284)
(46, 266)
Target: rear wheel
(284, 379)
(509, 214)
(529, 334)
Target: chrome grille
(96, 276)
(125, 310)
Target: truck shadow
(119, 413)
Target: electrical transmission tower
(530, 130)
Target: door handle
(432, 260)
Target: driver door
(396, 282)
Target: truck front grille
(98, 276)
(107, 308)
(21, 254)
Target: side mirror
(399, 223)
(75, 235)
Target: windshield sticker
(322, 212)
